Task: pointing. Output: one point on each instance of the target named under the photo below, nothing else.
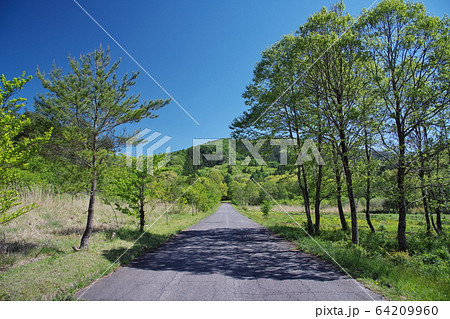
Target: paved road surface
(227, 256)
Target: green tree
(410, 52)
(276, 108)
(251, 193)
(14, 152)
(235, 192)
(337, 169)
(207, 191)
(135, 186)
(168, 189)
(334, 50)
(266, 206)
(90, 103)
(368, 127)
(8, 89)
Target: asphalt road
(227, 256)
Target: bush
(442, 253)
(430, 259)
(399, 258)
(235, 202)
(266, 206)
(389, 204)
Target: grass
(421, 273)
(37, 261)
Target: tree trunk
(434, 225)
(349, 182)
(401, 173)
(301, 178)
(141, 211)
(318, 190)
(337, 173)
(341, 209)
(424, 193)
(369, 222)
(427, 214)
(438, 220)
(317, 200)
(422, 164)
(90, 218)
(438, 211)
(438, 225)
(439, 200)
(305, 193)
(368, 181)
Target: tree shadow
(21, 247)
(78, 230)
(242, 253)
(141, 242)
(289, 231)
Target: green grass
(41, 265)
(422, 273)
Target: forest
(369, 94)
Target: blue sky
(201, 52)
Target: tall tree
(409, 51)
(421, 136)
(438, 169)
(337, 168)
(334, 53)
(368, 127)
(276, 106)
(90, 103)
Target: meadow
(421, 273)
(37, 261)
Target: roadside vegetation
(361, 111)
(63, 178)
(370, 98)
(41, 264)
(422, 273)
(346, 126)
(38, 262)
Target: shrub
(442, 253)
(399, 258)
(235, 202)
(266, 206)
(430, 259)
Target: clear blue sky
(201, 52)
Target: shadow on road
(241, 253)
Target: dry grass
(300, 208)
(375, 204)
(38, 262)
(62, 215)
(54, 226)
(57, 224)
